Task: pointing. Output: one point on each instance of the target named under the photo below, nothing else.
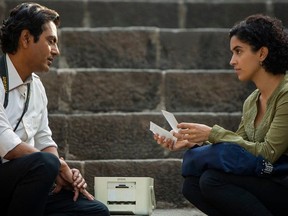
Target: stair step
(131, 90)
(177, 212)
(122, 135)
(159, 13)
(144, 47)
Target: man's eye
(52, 41)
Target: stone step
(137, 90)
(144, 47)
(177, 212)
(165, 172)
(122, 135)
(159, 13)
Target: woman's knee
(210, 180)
(186, 188)
(190, 187)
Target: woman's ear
(263, 52)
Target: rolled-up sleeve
(43, 133)
(43, 137)
(8, 139)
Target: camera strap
(5, 80)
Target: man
(34, 181)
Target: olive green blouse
(270, 137)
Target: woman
(259, 48)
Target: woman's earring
(260, 63)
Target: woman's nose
(232, 61)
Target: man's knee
(101, 209)
(45, 162)
(105, 211)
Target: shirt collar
(14, 78)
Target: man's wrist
(63, 164)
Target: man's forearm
(52, 150)
(20, 150)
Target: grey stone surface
(116, 91)
(175, 212)
(122, 135)
(72, 13)
(139, 47)
(2, 10)
(159, 13)
(223, 14)
(194, 49)
(108, 47)
(133, 13)
(280, 8)
(138, 90)
(209, 91)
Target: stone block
(72, 13)
(112, 136)
(194, 49)
(210, 91)
(2, 12)
(222, 14)
(280, 11)
(115, 90)
(50, 81)
(133, 13)
(108, 48)
(59, 127)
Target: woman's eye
(238, 52)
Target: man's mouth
(50, 61)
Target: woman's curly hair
(30, 16)
(264, 31)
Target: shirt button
(272, 152)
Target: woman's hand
(193, 132)
(189, 135)
(172, 145)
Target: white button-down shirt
(33, 129)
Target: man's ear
(25, 38)
(263, 52)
